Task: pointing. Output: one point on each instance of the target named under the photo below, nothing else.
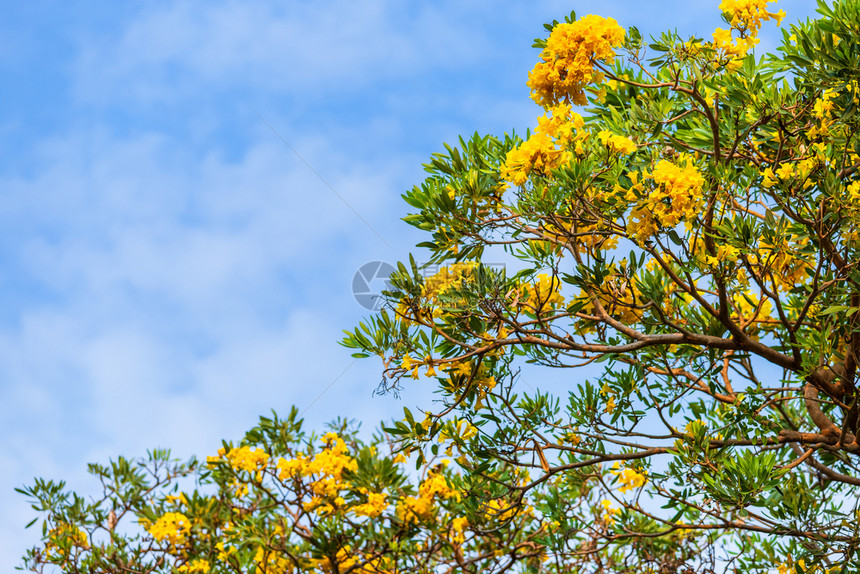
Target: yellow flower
(722, 37)
(173, 527)
(629, 478)
(448, 277)
(196, 565)
(325, 471)
(543, 293)
(785, 171)
(567, 62)
(458, 527)
(271, 562)
(376, 503)
(546, 149)
(749, 14)
(779, 17)
(610, 404)
(823, 105)
(572, 438)
(501, 509)
(727, 253)
(413, 509)
(609, 511)
(244, 458)
(290, 467)
(675, 196)
(854, 191)
(619, 144)
(63, 534)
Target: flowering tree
(282, 501)
(690, 251)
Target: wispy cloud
(167, 300)
(181, 49)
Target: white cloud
(195, 230)
(171, 294)
(187, 48)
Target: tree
(689, 246)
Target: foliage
(282, 501)
(689, 250)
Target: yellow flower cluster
(64, 534)
(270, 562)
(605, 391)
(618, 295)
(749, 310)
(196, 565)
(376, 503)
(699, 254)
(678, 191)
(326, 468)
(782, 260)
(537, 154)
(748, 15)
(561, 125)
(724, 253)
(458, 530)
(546, 149)
(791, 566)
(482, 382)
(246, 458)
(850, 205)
(629, 478)
(823, 111)
(224, 551)
(425, 309)
(448, 277)
(617, 144)
(408, 363)
(733, 47)
(789, 172)
(768, 178)
(500, 509)
(609, 512)
(176, 499)
(694, 427)
(567, 62)
(589, 238)
(459, 429)
(347, 561)
(854, 191)
(72, 533)
(173, 528)
(824, 105)
(543, 293)
(675, 196)
(413, 509)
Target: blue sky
(169, 268)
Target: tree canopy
(686, 218)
